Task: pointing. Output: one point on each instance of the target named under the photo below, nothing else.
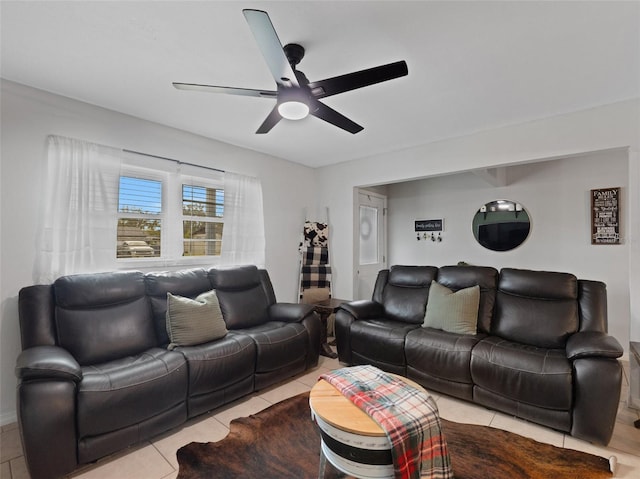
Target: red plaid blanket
(408, 415)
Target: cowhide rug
(283, 442)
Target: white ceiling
(472, 65)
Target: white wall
(29, 115)
(556, 196)
(607, 127)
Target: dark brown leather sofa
(541, 351)
(95, 374)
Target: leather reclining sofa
(541, 351)
(96, 376)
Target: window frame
(172, 217)
(207, 184)
(144, 174)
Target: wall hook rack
(429, 228)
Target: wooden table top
(330, 405)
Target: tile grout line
(173, 469)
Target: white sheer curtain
(243, 240)
(77, 230)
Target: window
(167, 215)
(106, 208)
(202, 211)
(139, 218)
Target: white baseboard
(8, 418)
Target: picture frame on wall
(605, 216)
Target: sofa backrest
(592, 302)
(459, 277)
(403, 291)
(244, 293)
(103, 316)
(36, 312)
(188, 283)
(536, 307)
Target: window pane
(202, 201)
(202, 238)
(138, 195)
(138, 238)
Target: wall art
(605, 216)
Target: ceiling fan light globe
(293, 110)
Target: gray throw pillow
(453, 312)
(194, 321)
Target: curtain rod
(171, 159)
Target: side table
(325, 308)
(350, 439)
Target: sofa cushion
(278, 344)
(194, 321)
(412, 276)
(440, 354)
(405, 295)
(219, 371)
(454, 312)
(218, 364)
(380, 339)
(188, 283)
(103, 316)
(538, 284)
(459, 277)
(242, 296)
(130, 390)
(536, 307)
(522, 373)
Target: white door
(370, 245)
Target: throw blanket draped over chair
(408, 415)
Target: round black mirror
(501, 225)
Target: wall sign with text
(605, 216)
(429, 225)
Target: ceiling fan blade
(271, 48)
(272, 120)
(362, 78)
(322, 111)
(226, 89)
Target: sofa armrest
(593, 344)
(47, 362)
(289, 312)
(46, 410)
(363, 309)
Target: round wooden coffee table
(351, 440)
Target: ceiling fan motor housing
(294, 53)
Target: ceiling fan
(296, 97)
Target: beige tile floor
(156, 459)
